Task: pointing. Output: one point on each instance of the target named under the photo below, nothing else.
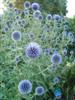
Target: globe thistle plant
(32, 45)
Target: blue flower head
(65, 33)
(49, 17)
(56, 80)
(56, 17)
(33, 50)
(56, 59)
(10, 5)
(6, 29)
(27, 4)
(17, 59)
(52, 68)
(17, 11)
(16, 36)
(36, 14)
(70, 35)
(26, 12)
(65, 52)
(18, 17)
(25, 87)
(35, 6)
(66, 27)
(40, 17)
(58, 93)
(47, 51)
(31, 35)
(39, 90)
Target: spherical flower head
(26, 12)
(58, 93)
(70, 35)
(36, 14)
(56, 59)
(56, 80)
(18, 17)
(39, 90)
(31, 35)
(65, 52)
(35, 6)
(17, 58)
(33, 50)
(56, 17)
(16, 36)
(6, 29)
(52, 68)
(10, 5)
(27, 4)
(66, 27)
(65, 33)
(40, 17)
(49, 17)
(25, 87)
(47, 51)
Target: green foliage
(72, 24)
(50, 6)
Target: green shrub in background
(72, 24)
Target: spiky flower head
(35, 6)
(36, 14)
(27, 4)
(56, 17)
(25, 87)
(58, 93)
(33, 50)
(56, 80)
(16, 36)
(39, 90)
(56, 58)
(49, 17)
